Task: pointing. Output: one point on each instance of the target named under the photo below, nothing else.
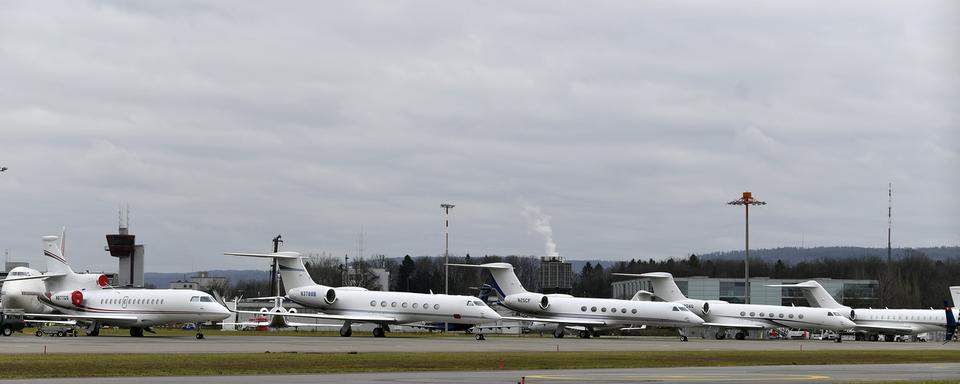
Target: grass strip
(119, 365)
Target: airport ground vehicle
(10, 322)
(54, 329)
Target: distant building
(184, 285)
(858, 293)
(556, 275)
(13, 264)
(383, 278)
(205, 282)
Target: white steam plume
(541, 224)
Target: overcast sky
(629, 123)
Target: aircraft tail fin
(951, 322)
(505, 281)
(292, 270)
(955, 295)
(56, 263)
(664, 286)
(815, 294)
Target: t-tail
(664, 287)
(53, 254)
(505, 281)
(292, 270)
(815, 294)
(951, 322)
(955, 295)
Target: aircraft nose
(849, 324)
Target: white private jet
(744, 317)
(871, 323)
(359, 305)
(87, 298)
(586, 315)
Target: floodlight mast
(746, 201)
(446, 252)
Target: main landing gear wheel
(683, 338)
(39, 333)
(480, 337)
(378, 332)
(136, 332)
(740, 336)
(558, 334)
(584, 334)
(721, 335)
(346, 331)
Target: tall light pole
(746, 201)
(446, 252)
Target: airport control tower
(122, 246)
(556, 275)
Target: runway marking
(706, 377)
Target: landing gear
(480, 337)
(888, 338)
(93, 329)
(595, 334)
(584, 334)
(839, 339)
(558, 334)
(379, 332)
(740, 336)
(683, 334)
(199, 332)
(721, 335)
(345, 330)
(683, 338)
(136, 332)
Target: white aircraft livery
(871, 323)
(359, 305)
(585, 315)
(87, 298)
(745, 317)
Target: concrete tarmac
(410, 343)
(756, 374)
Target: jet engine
(527, 302)
(853, 315)
(330, 297)
(68, 298)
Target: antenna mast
(889, 218)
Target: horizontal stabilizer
(488, 265)
(277, 255)
(43, 276)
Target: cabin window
(583, 308)
(781, 315)
(800, 316)
(161, 301)
(790, 315)
(771, 315)
(383, 304)
(613, 310)
(623, 310)
(603, 309)
(415, 305)
(426, 306)
(593, 309)
(761, 314)
(633, 311)
(404, 305)
(393, 304)
(373, 303)
(754, 313)
(743, 313)
(436, 306)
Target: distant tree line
(912, 280)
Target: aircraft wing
(558, 320)
(44, 276)
(64, 322)
(735, 325)
(82, 317)
(896, 328)
(361, 319)
(289, 324)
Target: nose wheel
(480, 337)
(199, 332)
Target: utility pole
(746, 201)
(274, 276)
(889, 220)
(446, 253)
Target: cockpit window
(675, 309)
(195, 299)
(480, 303)
(829, 313)
(684, 309)
(206, 299)
(469, 303)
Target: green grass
(76, 365)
